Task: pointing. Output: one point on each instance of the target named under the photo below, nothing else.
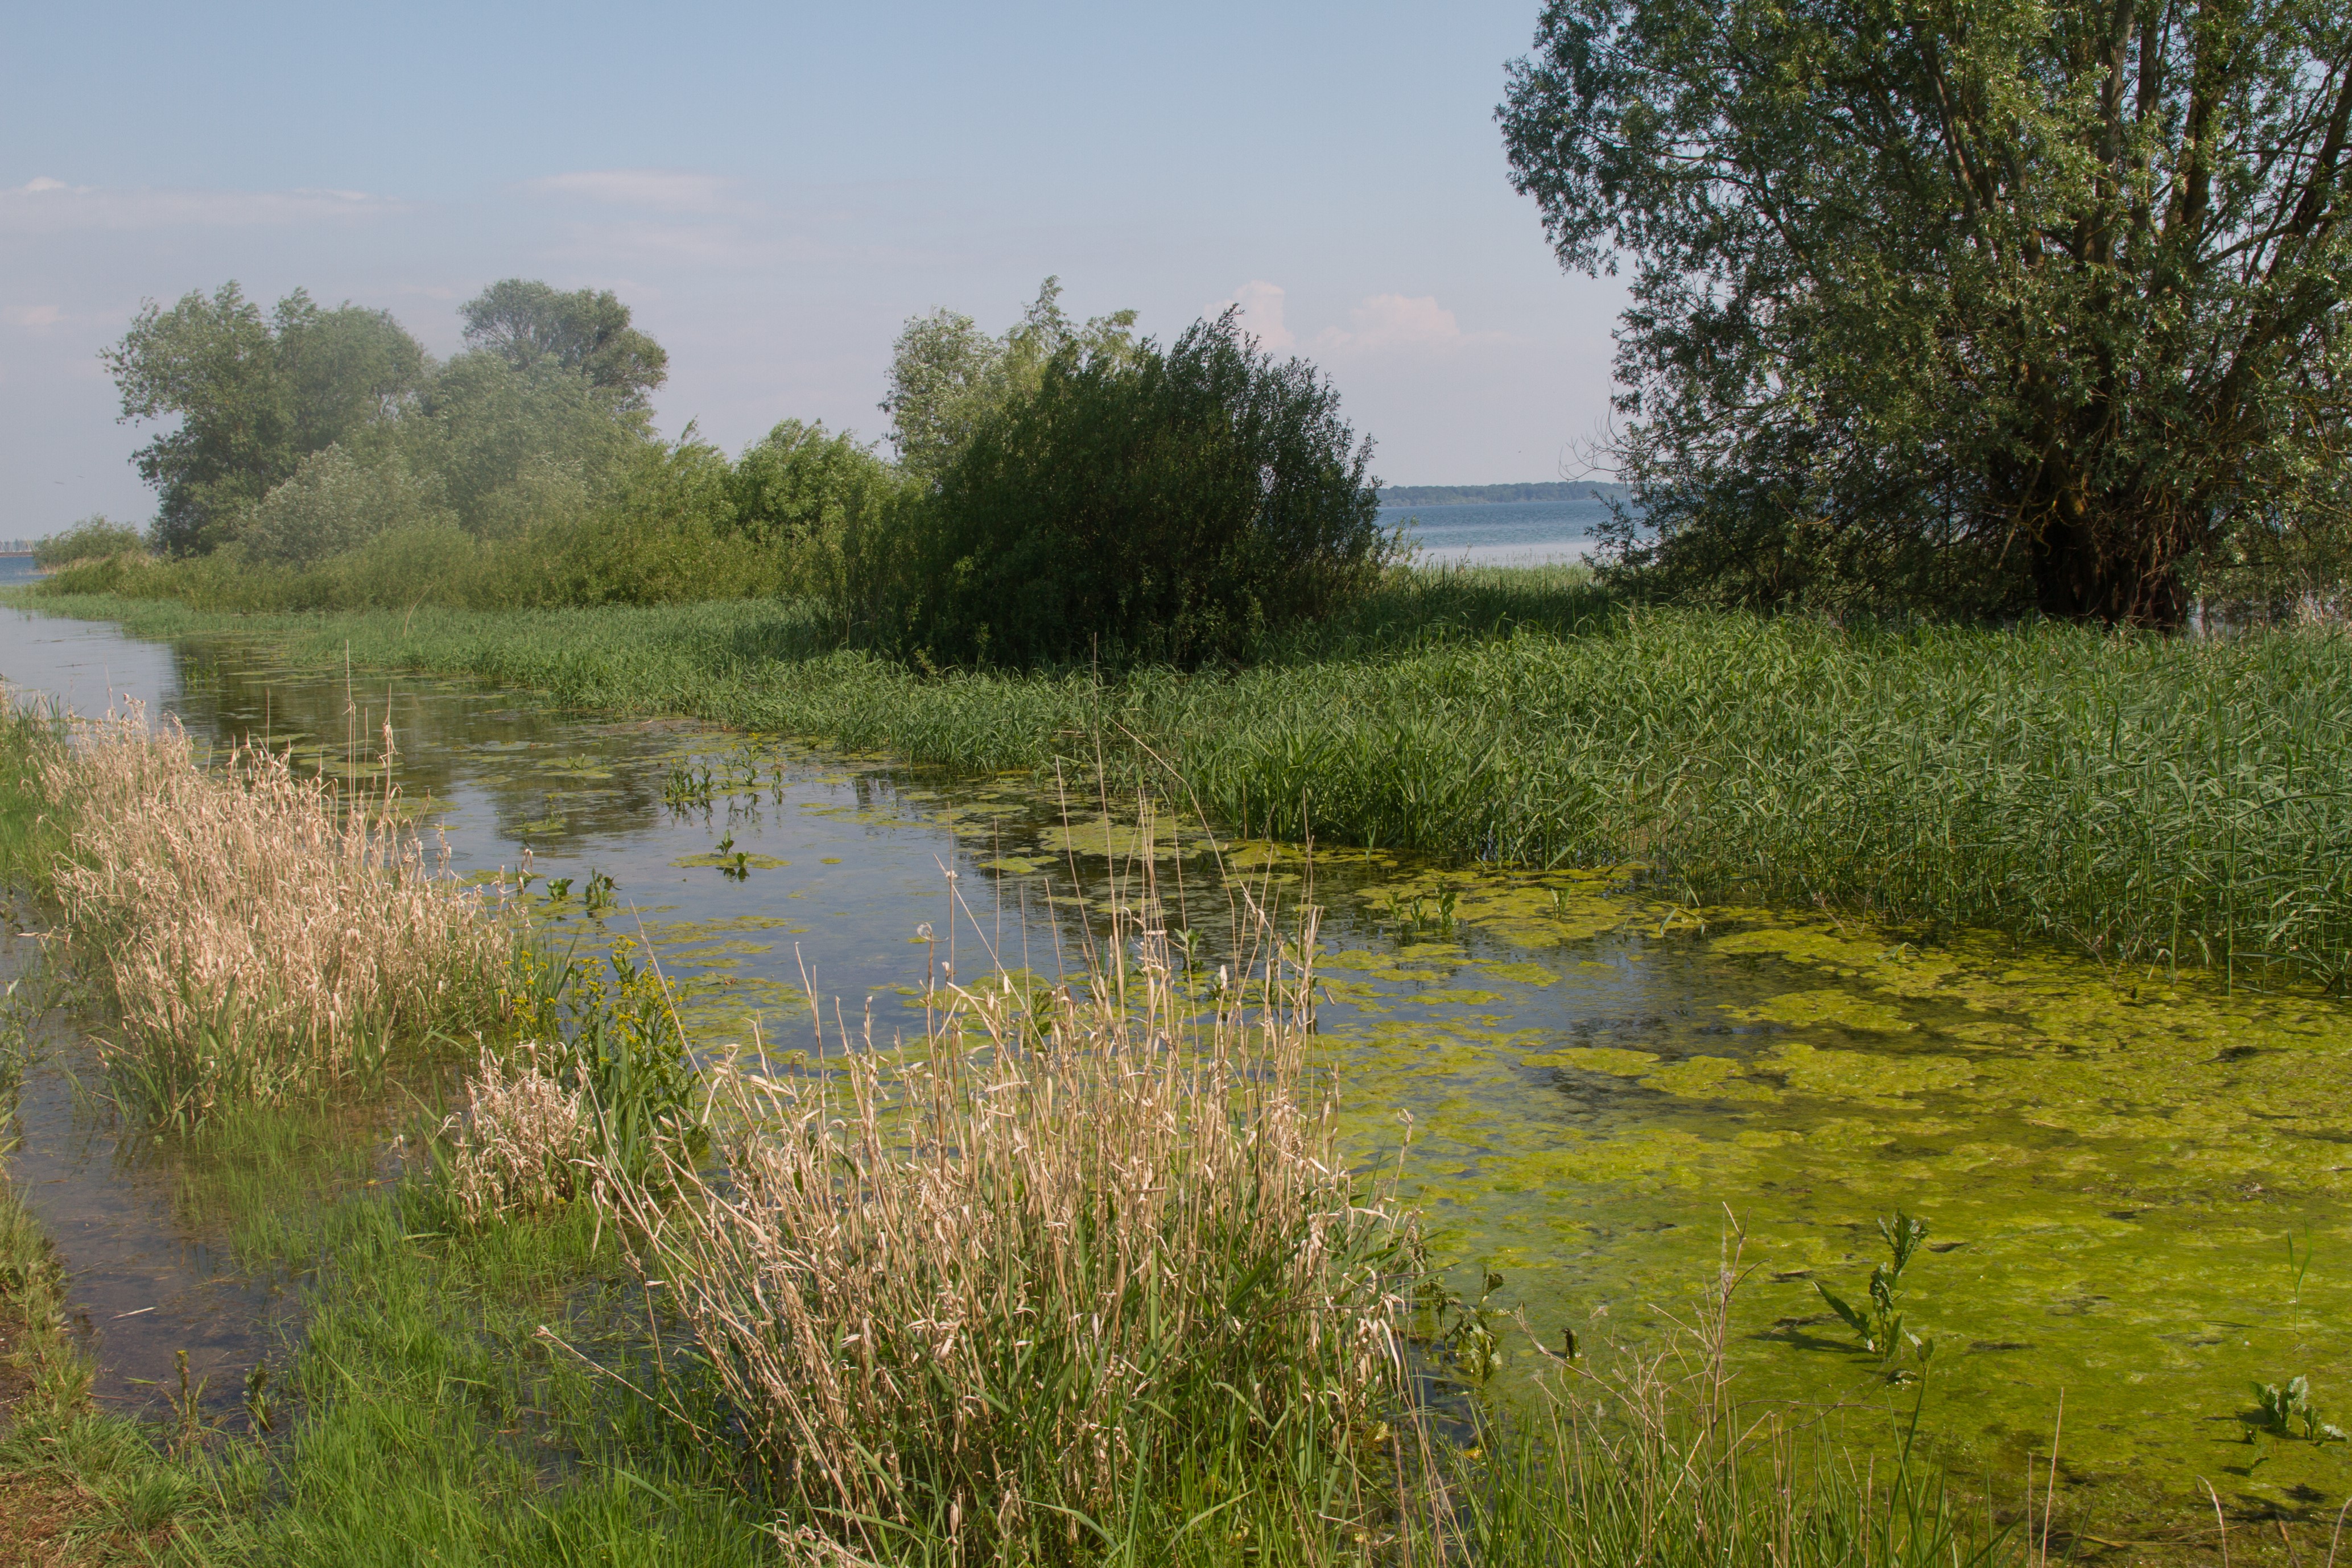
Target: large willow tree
(1984, 304)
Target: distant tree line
(1064, 492)
(1479, 495)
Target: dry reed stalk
(1079, 1238)
(261, 933)
(524, 1142)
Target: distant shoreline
(1476, 495)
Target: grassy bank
(2158, 801)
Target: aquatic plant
(1077, 1254)
(2289, 1412)
(1880, 1327)
(258, 934)
(599, 894)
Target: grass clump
(523, 1142)
(1050, 1286)
(255, 934)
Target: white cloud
(33, 316)
(1262, 306)
(51, 206)
(1385, 322)
(670, 190)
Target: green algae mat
(2136, 1183)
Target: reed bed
(258, 934)
(1062, 1274)
(2181, 800)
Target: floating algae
(2110, 1164)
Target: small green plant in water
(1467, 1335)
(257, 1398)
(1880, 1328)
(2289, 1412)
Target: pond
(2135, 1185)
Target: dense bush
(1145, 505)
(91, 539)
(332, 504)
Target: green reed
(2163, 801)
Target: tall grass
(2175, 801)
(1083, 1262)
(1080, 1278)
(256, 935)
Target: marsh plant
(1083, 1262)
(1879, 1326)
(2289, 1412)
(258, 934)
(525, 1143)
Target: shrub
(1143, 505)
(333, 504)
(92, 539)
(806, 500)
(667, 536)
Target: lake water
(1603, 1088)
(1502, 533)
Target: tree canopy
(947, 375)
(2025, 304)
(528, 324)
(538, 420)
(1138, 503)
(254, 395)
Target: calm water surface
(1609, 1097)
(1501, 534)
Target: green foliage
(1176, 506)
(666, 535)
(2026, 307)
(1880, 1328)
(798, 482)
(517, 449)
(91, 539)
(1676, 1486)
(815, 503)
(617, 1027)
(331, 504)
(947, 376)
(2289, 1413)
(584, 333)
(253, 394)
(307, 432)
(662, 532)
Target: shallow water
(1600, 1087)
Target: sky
(776, 189)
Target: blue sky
(774, 189)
